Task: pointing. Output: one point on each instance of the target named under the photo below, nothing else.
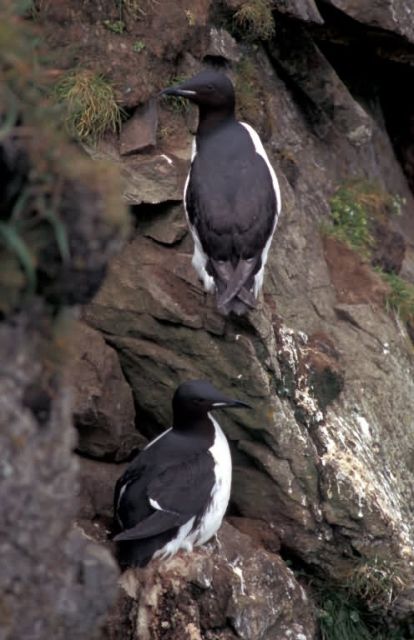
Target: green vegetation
(354, 208)
(116, 26)
(351, 221)
(254, 19)
(377, 583)
(91, 108)
(340, 616)
(138, 9)
(138, 46)
(401, 298)
(248, 98)
(357, 608)
(48, 181)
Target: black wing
(232, 206)
(169, 499)
(230, 198)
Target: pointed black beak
(178, 92)
(229, 402)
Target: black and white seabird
(175, 493)
(231, 196)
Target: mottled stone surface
(223, 45)
(310, 459)
(228, 589)
(325, 457)
(39, 476)
(103, 406)
(393, 15)
(54, 581)
(139, 133)
(305, 10)
(328, 102)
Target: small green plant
(375, 581)
(190, 17)
(355, 207)
(138, 9)
(357, 607)
(401, 298)
(254, 19)
(138, 46)
(116, 26)
(91, 108)
(166, 132)
(340, 616)
(350, 221)
(29, 8)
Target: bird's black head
(193, 399)
(209, 89)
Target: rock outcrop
(324, 458)
(395, 16)
(103, 407)
(323, 466)
(229, 589)
(61, 221)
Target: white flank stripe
(154, 504)
(258, 278)
(156, 439)
(199, 259)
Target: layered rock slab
(310, 458)
(103, 406)
(229, 589)
(392, 15)
(39, 476)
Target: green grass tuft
(355, 206)
(91, 108)
(138, 9)
(340, 617)
(357, 608)
(376, 581)
(116, 26)
(254, 19)
(138, 46)
(350, 221)
(401, 298)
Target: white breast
(220, 494)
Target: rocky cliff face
(324, 464)
(58, 229)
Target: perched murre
(231, 195)
(175, 493)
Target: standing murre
(231, 195)
(175, 493)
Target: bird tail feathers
(232, 285)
